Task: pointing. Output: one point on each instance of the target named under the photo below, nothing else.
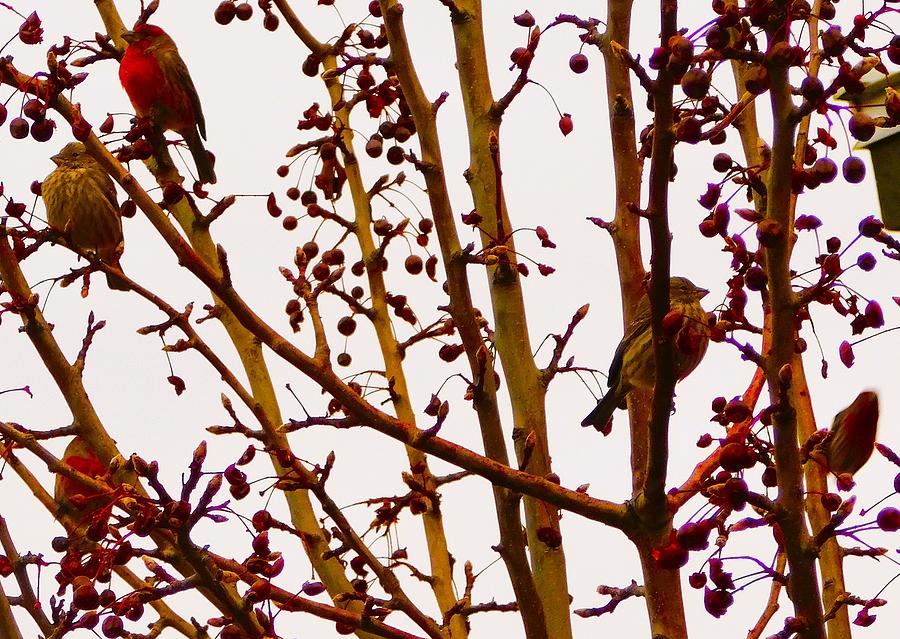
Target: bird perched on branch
(72, 496)
(633, 365)
(851, 438)
(82, 205)
(159, 86)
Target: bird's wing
(640, 324)
(172, 60)
(106, 186)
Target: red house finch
(851, 438)
(159, 86)
(633, 365)
(72, 496)
(81, 204)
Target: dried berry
(524, 20)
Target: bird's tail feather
(201, 158)
(601, 417)
(116, 283)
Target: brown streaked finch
(82, 205)
(634, 366)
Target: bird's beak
(57, 159)
(129, 36)
(701, 293)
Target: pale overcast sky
(253, 93)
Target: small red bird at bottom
(159, 86)
(72, 496)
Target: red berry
(722, 162)
(18, 128)
(243, 11)
(85, 597)
(270, 21)
(717, 37)
(310, 249)
(689, 130)
(374, 146)
(414, 265)
(695, 83)
(395, 155)
(854, 169)
(112, 627)
(866, 262)
(756, 79)
(671, 557)
(889, 519)
(693, 536)
(825, 169)
(333, 257)
(735, 457)
(862, 126)
(717, 601)
(346, 326)
(578, 63)
(34, 109)
(42, 130)
(812, 89)
(708, 228)
(402, 134)
(310, 65)
(312, 588)
(239, 491)
(224, 13)
(756, 278)
(831, 501)
(769, 232)
(521, 57)
(697, 580)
